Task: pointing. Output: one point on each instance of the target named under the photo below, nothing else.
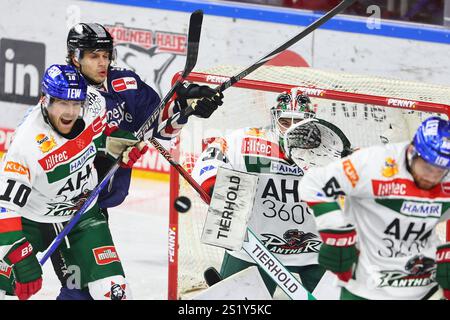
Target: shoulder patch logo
(256, 132)
(125, 83)
(390, 168)
(15, 167)
(45, 142)
(350, 172)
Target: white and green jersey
(44, 176)
(394, 220)
(280, 219)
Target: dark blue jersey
(129, 103)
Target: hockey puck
(182, 204)
(212, 276)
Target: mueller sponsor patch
(421, 209)
(125, 83)
(15, 167)
(46, 143)
(260, 147)
(405, 187)
(350, 172)
(105, 255)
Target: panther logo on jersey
(420, 272)
(294, 242)
(419, 265)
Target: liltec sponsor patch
(281, 168)
(105, 255)
(421, 209)
(78, 163)
(260, 147)
(405, 187)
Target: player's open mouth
(66, 121)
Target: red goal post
(366, 104)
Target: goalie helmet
(290, 110)
(89, 36)
(432, 142)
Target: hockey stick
(245, 72)
(195, 25)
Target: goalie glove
(443, 268)
(26, 268)
(203, 99)
(338, 252)
(121, 142)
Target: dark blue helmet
(64, 82)
(432, 142)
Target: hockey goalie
(280, 155)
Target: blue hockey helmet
(432, 142)
(64, 82)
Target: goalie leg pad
(110, 288)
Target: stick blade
(195, 28)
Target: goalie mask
(290, 110)
(306, 140)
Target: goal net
(369, 110)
